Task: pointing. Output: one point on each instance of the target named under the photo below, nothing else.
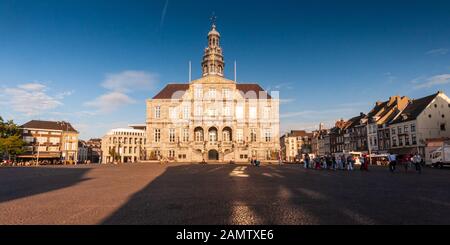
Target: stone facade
(213, 118)
(295, 144)
(123, 146)
(424, 118)
(50, 141)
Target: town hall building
(213, 119)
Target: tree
(11, 146)
(11, 143)
(114, 154)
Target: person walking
(339, 163)
(317, 163)
(361, 161)
(350, 162)
(392, 162)
(417, 160)
(334, 163)
(306, 161)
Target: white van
(441, 157)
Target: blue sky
(95, 62)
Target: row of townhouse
(399, 125)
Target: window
(400, 141)
(28, 139)
(253, 112)
(157, 135)
(268, 135)
(253, 135)
(414, 139)
(240, 135)
(158, 112)
(239, 112)
(185, 135)
(399, 130)
(226, 93)
(266, 112)
(406, 129)
(406, 140)
(213, 135)
(393, 131)
(41, 139)
(186, 112)
(198, 110)
(171, 154)
(243, 156)
(173, 113)
(413, 128)
(198, 93)
(394, 142)
(54, 140)
(212, 112)
(442, 126)
(226, 136)
(212, 94)
(172, 135)
(227, 111)
(198, 135)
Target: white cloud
(111, 101)
(32, 86)
(287, 101)
(439, 51)
(129, 81)
(434, 81)
(62, 95)
(30, 99)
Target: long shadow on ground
(213, 194)
(23, 182)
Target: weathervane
(213, 19)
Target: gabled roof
(50, 125)
(414, 108)
(355, 121)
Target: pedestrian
(392, 162)
(362, 162)
(339, 163)
(306, 161)
(334, 163)
(406, 162)
(317, 163)
(324, 163)
(417, 160)
(350, 162)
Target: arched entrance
(213, 155)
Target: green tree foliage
(114, 154)
(11, 143)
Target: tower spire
(213, 61)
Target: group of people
(406, 160)
(336, 163)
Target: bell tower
(213, 61)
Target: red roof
(179, 89)
(50, 125)
(170, 90)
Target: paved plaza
(221, 194)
